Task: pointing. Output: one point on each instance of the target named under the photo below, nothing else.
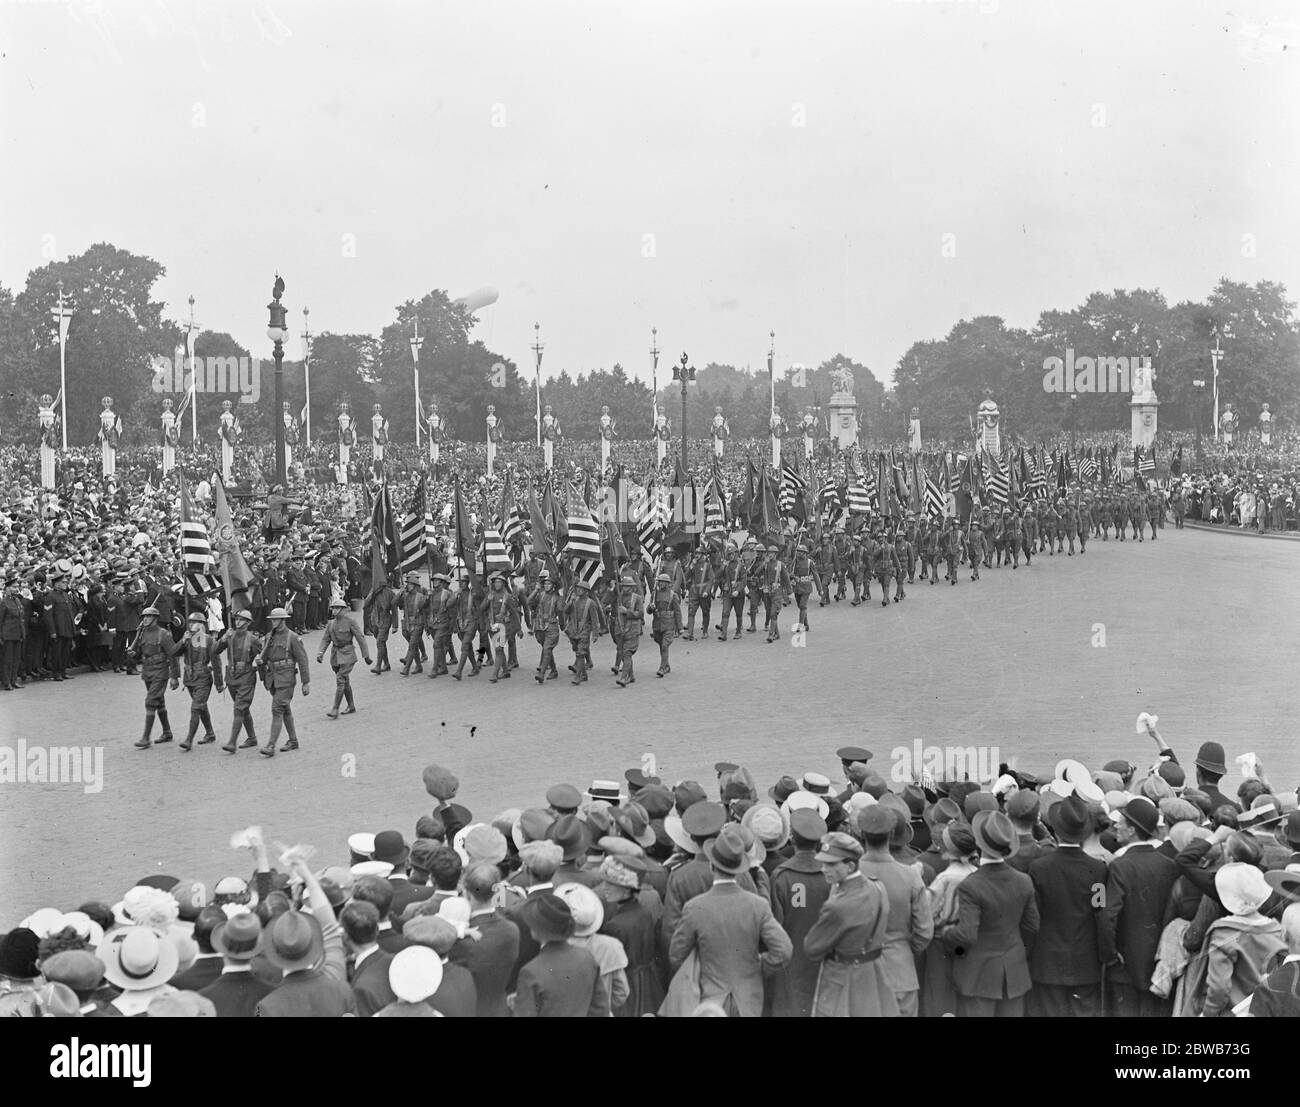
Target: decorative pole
(64, 317)
(306, 372)
(416, 343)
(194, 381)
(277, 331)
(654, 378)
(1216, 355)
(685, 375)
(537, 351)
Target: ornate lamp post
(685, 375)
(277, 330)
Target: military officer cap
(839, 847)
(197, 617)
(151, 610)
(244, 616)
(277, 613)
(564, 797)
(854, 753)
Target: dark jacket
(1138, 886)
(1067, 886)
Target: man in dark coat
(237, 992)
(1279, 995)
(489, 956)
(562, 981)
(798, 891)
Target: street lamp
(685, 375)
(1198, 386)
(277, 330)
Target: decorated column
(808, 424)
(110, 430)
(378, 434)
(550, 432)
(435, 432)
(844, 408)
(1144, 406)
(1228, 422)
(988, 432)
(171, 436)
(48, 420)
(228, 428)
(776, 426)
(1266, 426)
(663, 431)
(914, 430)
(720, 431)
(606, 436)
(347, 437)
(493, 437)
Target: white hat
(806, 801)
(415, 974)
(363, 844)
(1241, 887)
(372, 868)
(584, 904)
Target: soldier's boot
(166, 735)
(899, 594)
(235, 728)
(753, 618)
(663, 659)
(406, 664)
(251, 741)
(268, 750)
(513, 656)
(579, 670)
(381, 658)
(144, 743)
(388, 665)
(705, 611)
(209, 734)
(333, 712)
(292, 743)
(351, 708)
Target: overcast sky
(717, 170)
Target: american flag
(859, 497)
(514, 525)
(715, 510)
(996, 484)
(1146, 460)
(1087, 469)
(650, 513)
(934, 498)
(202, 584)
(415, 525)
(828, 495)
(792, 484)
(495, 558)
(584, 536)
(196, 549)
(588, 572)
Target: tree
(342, 368)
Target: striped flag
(584, 536)
(463, 544)
(996, 484)
(495, 557)
(588, 572)
(715, 509)
(1087, 469)
(413, 530)
(934, 498)
(859, 498)
(196, 549)
(202, 584)
(1146, 460)
(385, 537)
(792, 487)
(651, 516)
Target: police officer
(666, 623)
(202, 670)
(631, 625)
(414, 603)
(546, 626)
(342, 635)
(282, 660)
(582, 622)
(241, 647)
(700, 596)
(156, 652)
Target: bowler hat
(1210, 757)
(994, 833)
(390, 846)
(1291, 829)
(1142, 813)
(1069, 818)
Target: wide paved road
(1199, 627)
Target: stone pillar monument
(844, 409)
(988, 425)
(1144, 406)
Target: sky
(853, 176)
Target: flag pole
(416, 343)
(537, 352)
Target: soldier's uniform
(471, 619)
(913, 534)
(732, 586)
(156, 651)
(1011, 536)
(666, 623)
(582, 622)
(989, 525)
(1028, 534)
(803, 578)
(295, 581)
(1104, 518)
(1178, 505)
(1139, 516)
(504, 625)
(1084, 516)
(676, 574)
(439, 614)
(1121, 516)
(314, 584)
(950, 545)
(902, 548)
(546, 627)
(1156, 512)
(631, 625)
(701, 585)
(383, 607)
(202, 671)
(342, 636)
(929, 539)
(413, 603)
(884, 565)
(827, 568)
(775, 586)
(241, 647)
(844, 551)
(283, 659)
(978, 551)
(864, 545)
(755, 580)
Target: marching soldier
(863, 548)
(929, 539)
(755, 581)
(282, 660)
(631, 625)
(1028, 534)
(546, 626)
(1138, 513)
(901, 546)
(583, 622)
(1084, 515)
(674, 569)
(731, 584)
(156, 652)
(884, 565)
(342, 635)
(989, 524)
(241, 647)
(997, 538)
(700, 597)
(1121, 516)
(913, 536)
(414, 603)
(1178, 505)
(1104, 518)
(826, 567)
(950, 545)
(843, 549)
(504, 625)
(667, 621)
(1012, 537)
(471, 616)
(804, 576)
(440, 610)
(1069, 525)
(202, 670)
(978, 552)
(382, 605)
(775, 587)
(1155, 511)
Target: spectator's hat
(1242, 888)
(530, 826)
(547, 916)
(994, 833)
(390, 847)
(239, 938)
(564, 798)
(1210, 757)
(585, 906)
(809, 801)
(727, 852)
(79, 969)
(816, 783)
(1285, 882)
(839, 847)
(769, 825)
(415, 973)
(1266, 810)
(137, 958)
(634, 821)
(442, 784)
(361, 846)
(570, 834)
(294, 941)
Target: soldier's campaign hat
(839, 847)
(277, 613)
(197, 617)
(439, 576)
(151, 610)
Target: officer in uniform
(976, 540)
(583, 622)
(804, 576)
(202, 670)
(282, 660)
(950, 544)
(471, 614)
(700, 597)
(414, 603)
(755, 581)
(299, 590)
(60, 614)
(504, 625)
(775, 587)
(13, 629)
(631, 625)
(342, 635)
(382, 605)
(546, 626)
(884, 564)
(439, 613)
(241, 647)
(156, 652)
(666, 623)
